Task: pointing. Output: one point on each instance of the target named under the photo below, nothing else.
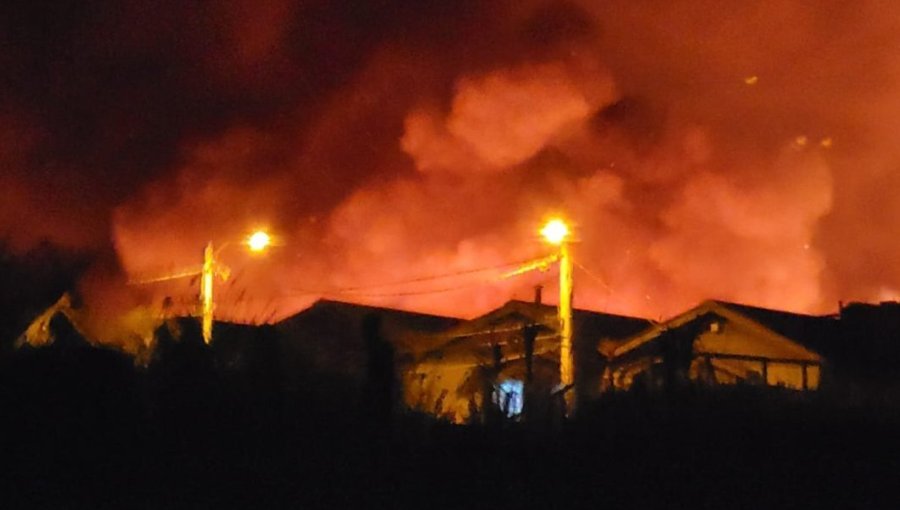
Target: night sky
(702, 149)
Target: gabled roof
(811, 331)
(414, 320)
(39, 331)
(807, 331)
(469, 342)
(515, 313)
(342, 324)
(512, 315)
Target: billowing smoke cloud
(502, 119)
(702, 150)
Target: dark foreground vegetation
(84, 427)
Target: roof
(39, 332)
(812, 331)
(415, 320)
(809, 331)
(342, 322)
(466, 343)
(515, 313)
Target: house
(337, 342)
(39, 333)
(508, 360)
(869, 343)
(718, 342)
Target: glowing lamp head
(259, 241)
(555, 231)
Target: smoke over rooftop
(702, 150)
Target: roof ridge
(766, 309)
(325, 301)
(578, 310)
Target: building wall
(442, 389)
(461, 392)
(734, 371)
(731, 337)
(728, 352)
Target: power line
(355, 290)
(413, 293)
(593, 276)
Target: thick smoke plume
(702, 150)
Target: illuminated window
(508, 395)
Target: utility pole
(256, 242)
(557, 233)
(207, 305)
(208, 272)
(566, 355)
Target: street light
(557, 233)
(256, 242)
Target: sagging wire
(361, 289)
(593, 276)
(412, 293)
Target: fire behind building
(504, 364)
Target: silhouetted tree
(677, 346)
(529, 336)
(248, 364)
(380, 377)
(183, 393)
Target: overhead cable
(356, 289)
